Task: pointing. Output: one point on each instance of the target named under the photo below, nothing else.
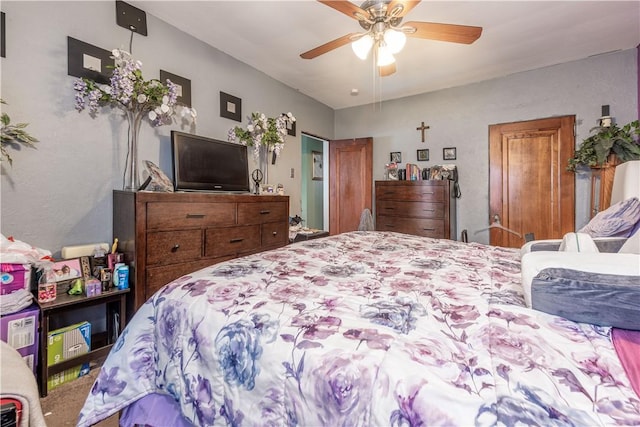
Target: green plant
(13, 135)
(621, 141)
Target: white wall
(60, 194)
(460, 117)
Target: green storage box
(65, 343)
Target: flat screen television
(206, 164)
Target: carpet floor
(62, 405)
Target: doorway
(350, 182)
(314, 179)
(530, 190)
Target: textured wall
(459, 117)
(60, 194)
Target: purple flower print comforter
(364, 329)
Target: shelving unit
(114, 301)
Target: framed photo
(423, 155)
(183, 86)
(67, 269)
(449, 153)
(230, 107)
(316, 167)
(91, 62)
(396, 157)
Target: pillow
(592, 262)
(598, 299)
(618, 220)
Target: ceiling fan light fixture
(385, 57)
(362, 46)
(395, 40)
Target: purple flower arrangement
(128, 90)
(263, 131)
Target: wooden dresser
(423, 208)
(167, 235)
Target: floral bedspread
(364, 329)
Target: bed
(362, 329)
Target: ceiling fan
(384, 34)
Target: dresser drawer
(411, 209)
(275, 234)
(170, 247)
(418, 226)
(260, 213)
(435, 192)
(166, 215)
(157, 277)
(231, 240)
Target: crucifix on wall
(422, 128)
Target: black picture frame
(395, 157)
(3, 35)
(291, 127)
(422, 155)
(184, 86)
(84, 59)
(449, 153)
(230, 107)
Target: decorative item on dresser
(167, 235)
(423, 208)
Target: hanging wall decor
(449, 153)
(88, 61)
(423, 155)
(230, 107)
(3, 35)
(183, 87)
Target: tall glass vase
(131, 180)
(263, 163)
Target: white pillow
(632, 245)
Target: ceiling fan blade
(333, 44)
(444, 32)
(406, 6)
(346, 7)
(387, 70)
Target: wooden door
(350, 182)
(530, 188)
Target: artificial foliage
(263, 132)
(604, 141)
(13, 136)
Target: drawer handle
(430, 192)
(265, 212)
(175, 248)
(429, 210)
(390, 209)
(195, 215)
(390, 225)
(429, 229)
(275, 233)
(235, 240)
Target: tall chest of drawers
(167, 235)
(423, 208)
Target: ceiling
(517, 36)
